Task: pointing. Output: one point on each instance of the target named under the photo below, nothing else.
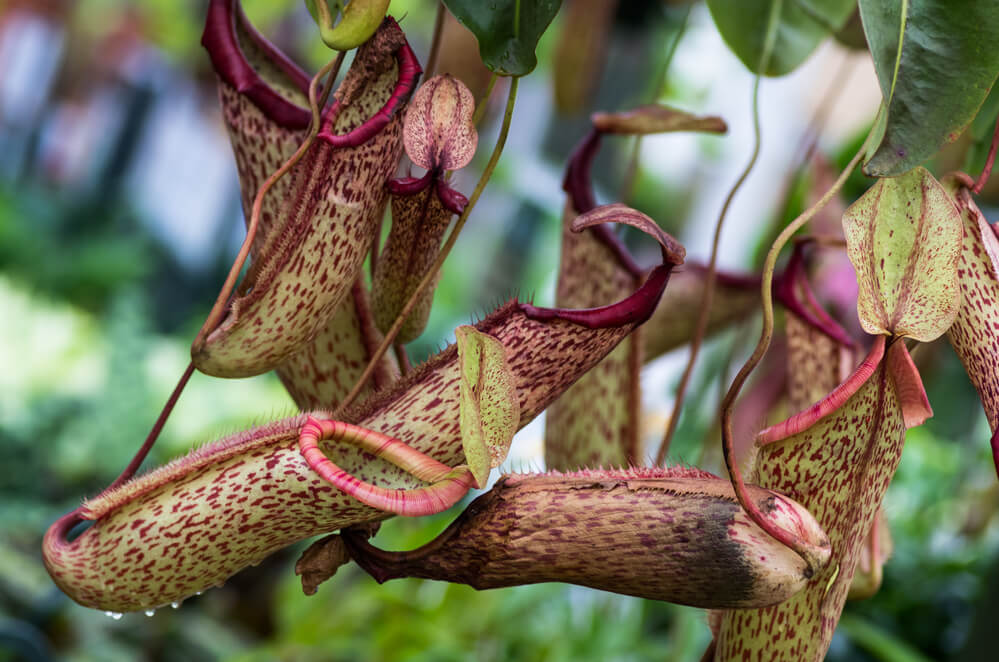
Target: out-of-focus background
(119, 216)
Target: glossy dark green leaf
(507, 30)
(934, 84)
(801, 26)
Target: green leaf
(507, 30)
(801, 26)
(904, 239)
(489, 410)
(935, 63)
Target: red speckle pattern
(323, 372)
(231, 503)
(419, 221)
(595, 422)
(660, 533)
(904, 240)
(816, 363)
(319, 224)
(839, 468)
(975, 332)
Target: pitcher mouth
(227, 24)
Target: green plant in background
(316, 177)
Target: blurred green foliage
(91, 348)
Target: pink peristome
(836, 459)
(448, 488)
(831, 403)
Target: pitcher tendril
(712, 275)
(480, 112)
(766, 335)
(983, 178)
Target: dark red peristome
(785, 290)
(409, 74)
(578, 185)
(410, 185)
(576, 181)
(449, 197)
(221, 39)
(634, 310)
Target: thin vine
(630, 174)
(766, 335)
(709, 285)
(983, 178)
(435, 42)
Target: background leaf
(934, 84)
(801, 26)
(507, 30)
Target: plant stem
(154, 433)
(989, 162)
(807, 145)
(445, 250)
(709, 284)
(332, 68)
(402, 358)
(628, 185)
(222, 302)
(435, 42)
(728, 403)
(481, 109)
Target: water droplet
(150, 612)
(198, 592)
(175, 605)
